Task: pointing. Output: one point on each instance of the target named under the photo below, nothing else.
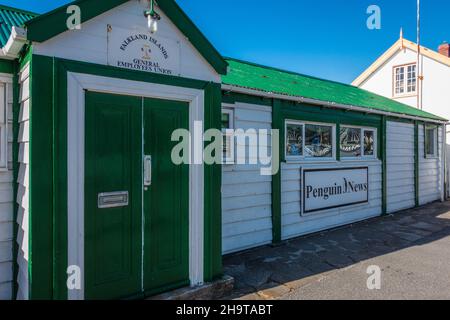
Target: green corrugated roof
(267, 79)
(12, 17)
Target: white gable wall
(90, 43)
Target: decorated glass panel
(350, 139)
(294, 140)
(318, 141)
(369, 143)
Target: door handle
(147, 171)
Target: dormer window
(405, 80)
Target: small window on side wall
(3, 128)
(431, 141)
(228, 136)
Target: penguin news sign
(143, 51)
(333, 188)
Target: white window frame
(4, 99)
(405, 82)
(363, 156)
(435, 141)
(304, 158)
(229, 132)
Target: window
(405, 80)
(318, 141)
(294, 140)
(309, 140)
(357, 142)
(228, 136)
(3, 128)
(431, 138)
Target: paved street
(411, 248)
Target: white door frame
(76, 85)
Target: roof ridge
(288, 71)
(18, 10)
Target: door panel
(113, 161)
(166, 201)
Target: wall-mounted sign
(333, 188)
(143, 51)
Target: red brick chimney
(444, 49)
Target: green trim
(7, 66)
(51, 24)
(41, 191)
(384, 165)
(338, 142)
(416, 163)
(213, 195)
(402, 120)
(16, 111)
(233, 97)
(51, 137)
(59, 135)
(25, 57)
(277, 124)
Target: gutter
(16, 41)
(321, 103)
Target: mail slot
(113, 200)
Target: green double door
(136, 229)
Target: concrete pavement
(412, 249)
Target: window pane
(369, 143)
(430, 136)
(226, 121)
(411, 87)
(399, 80)
(294, 140)
(318, 141)
(350, 142)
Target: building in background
(395, 75)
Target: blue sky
(326, 38)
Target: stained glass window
(369, 143)
(318, 141)
(294, 140)
(350, 139)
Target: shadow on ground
(271, 272)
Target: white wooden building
(394, 75)
(89, 189)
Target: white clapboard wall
(294, 224)
(23, 187)
(246, 194)
(6, 210)
(430, 171)
(400, 166)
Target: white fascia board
(15, 43)
(327, 104)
